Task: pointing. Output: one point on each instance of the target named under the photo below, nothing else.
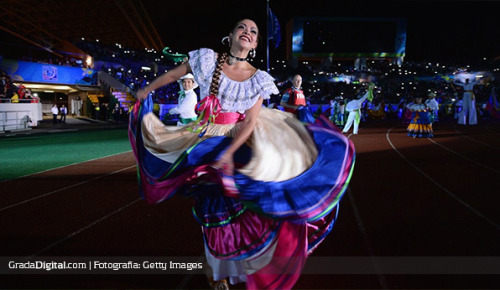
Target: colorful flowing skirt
(377, 114)
(279, 205)
(406, 118)
(420, 125)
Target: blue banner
(274, 30)
(22, 71)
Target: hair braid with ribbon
(214, 86)
(209, 107)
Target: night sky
(439, 31)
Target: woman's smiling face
(245, 34)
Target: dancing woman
(266, 186)
(420, 125)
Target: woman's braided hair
(214, 86)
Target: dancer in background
(354, 109)
(378, 110)
(187, 100)
(433, 107)
(262, 205)
(420, 125)
(294, 101)
(468, 103)
(293, 97)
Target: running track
(432, 205)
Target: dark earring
(252, 53)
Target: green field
(24, 155)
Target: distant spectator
(64, 112)
(105, 111)
(97, 112)
(3, 86)
(117, 113)
(55, 112)
(9, 88)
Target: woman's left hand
(141, 94)
(225, 163)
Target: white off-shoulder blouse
(234, 96)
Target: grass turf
(24, 155)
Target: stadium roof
(52, 25)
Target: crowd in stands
(10, 93)
(116, 52)
(140, 78)
(397, 84)
(66, 60)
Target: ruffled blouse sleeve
(265, 85)
(237, 96)
(203, 62)
(234, 96)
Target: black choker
(232, 59)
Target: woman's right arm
(165, 79)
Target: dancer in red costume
(293, 97)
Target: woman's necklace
(232, 59)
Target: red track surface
(421, 198)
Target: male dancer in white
(187, 100)
(354, 108)
(468, 103)
(433, 105)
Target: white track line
(64, 188)
(497, 226)
(82, 229)
(93, 159)
(366, 240)
(474, 140)
(487, 126)
(464, 157)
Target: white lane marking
(474, 140)
(366, 240)
(82, 229)
(440, 186)
(464, 157)
(487, 126)
(64, 188)
(93, 159)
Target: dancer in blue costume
(420, 125)
(266, 185)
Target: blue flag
(274, 31)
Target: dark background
(440, 31)
(349, 36)
(445, 31)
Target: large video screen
(349, 37)
(23, 71)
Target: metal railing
(14, 120)
(16, 101)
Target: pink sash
(229, 118)
(209, 112)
